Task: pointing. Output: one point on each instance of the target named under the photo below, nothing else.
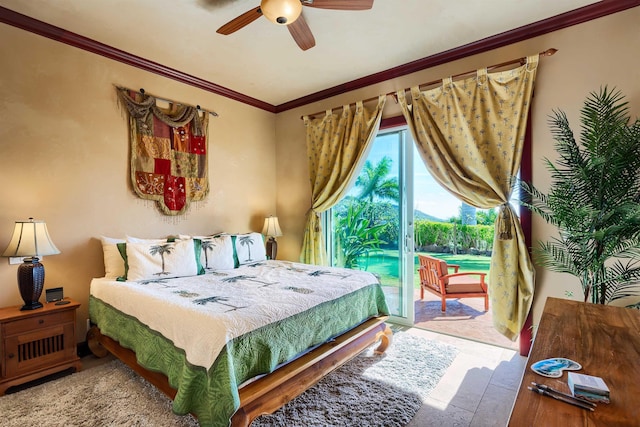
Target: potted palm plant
(594, 200)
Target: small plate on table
(554, 367)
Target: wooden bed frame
(270, 392)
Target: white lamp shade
(271, 227)
(30, 239)
(281, 12)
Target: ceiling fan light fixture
(281, 12)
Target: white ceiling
(262, 60)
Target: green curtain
(337, 147)
(470, 135)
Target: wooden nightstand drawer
(39, 322)
(45, 347)
(37, 343)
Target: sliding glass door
(372, 227)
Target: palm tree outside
(368, 216)
(373, 205)
(375, 183)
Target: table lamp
(30, 240)
(272, 230)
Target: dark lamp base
(32, 306)
(31, 282)
(272, 248)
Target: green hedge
(444, 234)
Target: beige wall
(600, 52)
(64, 159)
(64, 147)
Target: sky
(429, 196)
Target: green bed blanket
(212, 394)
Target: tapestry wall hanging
(168, 150)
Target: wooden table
(605, 340)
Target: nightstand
(37, 343)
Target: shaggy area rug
(368, 391)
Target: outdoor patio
(464, 318)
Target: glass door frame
(526, 167)
(406, 249)
(405, 226)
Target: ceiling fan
(289, 13)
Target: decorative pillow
(122, 249)
(249, 248)
(217, 253)
(160, 260)
(138, 240)
(113, 262)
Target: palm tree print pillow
(249, 248)
(216, 253)
(161, 260)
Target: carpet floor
(368, 391)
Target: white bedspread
(200, 314)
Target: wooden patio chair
(435, 278)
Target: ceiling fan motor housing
(289, 13)
(281, 12)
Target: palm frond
(623, 280)
(594, 198)
(556, 257)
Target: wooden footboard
(270, 392)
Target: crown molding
(61, 35)
(574, 17)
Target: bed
(231, 344)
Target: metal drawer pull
(41, 321)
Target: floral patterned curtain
(470, 135)
(337, 146)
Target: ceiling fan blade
(339, 4)
(240, 22)
(301, 33)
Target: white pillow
(250, 248)
(138, 240)
(113, 262)
(161, 260)
(216, 253)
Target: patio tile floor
(464, 318)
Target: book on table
(588, 387)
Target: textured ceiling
(262, 60)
